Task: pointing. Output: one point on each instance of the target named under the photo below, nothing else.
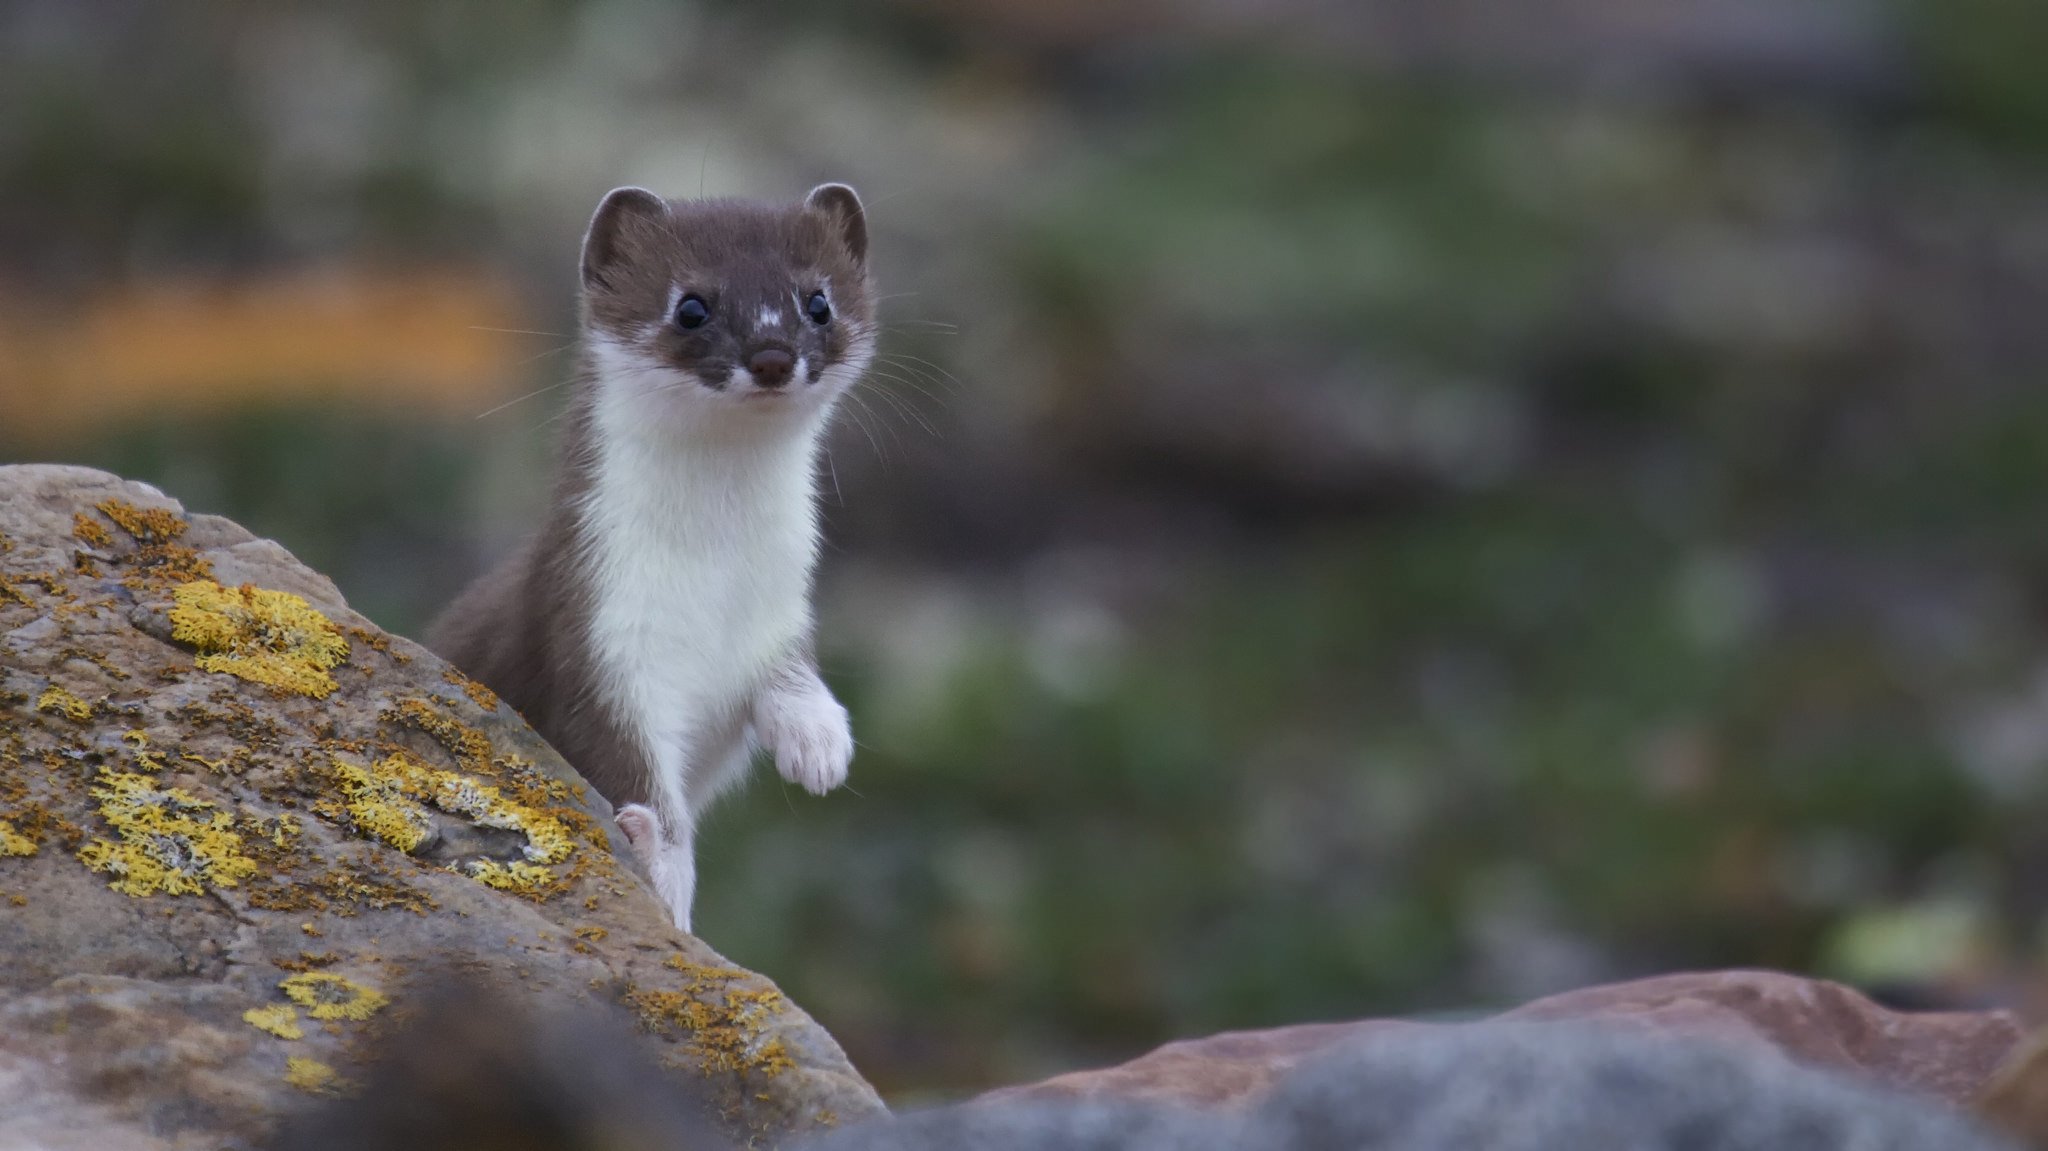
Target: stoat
(657, 628)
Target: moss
(311, 1075)
(269, 637)
(14, 843)
(326, 995)
(56, 699)
(278, 1019)
(87, 530)
(169, 840)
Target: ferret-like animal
(657, 628)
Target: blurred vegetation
(1424, 512)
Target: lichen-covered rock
(238, 822)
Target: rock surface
(1498, 1085)
(237, 826)
(1947, 1056)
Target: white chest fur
(700, 554)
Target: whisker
(904, 407)
(942, 373)
(921, 374)
(522, 399)
(856, 413)
(916, 379)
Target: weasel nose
(771, 367)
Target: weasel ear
(617, 215)
(842, 206)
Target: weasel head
(702, 314)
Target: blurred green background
(1377, 506)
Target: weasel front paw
(809, 733)
(640, 826)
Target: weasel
(657, 628)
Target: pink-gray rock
(1946, 1056)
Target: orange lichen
(56, 699)
(88, 530)
(147, 525)
(326, 995)
(268, 637)
(378, 643)
(342, 891)
(278, 1019)
(718, 1020)
(169, 840)
(482, 696)
(98, 660)
(160, 556)
(470, 747)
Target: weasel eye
(818, 309)
(692, 312)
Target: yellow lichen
(379, 804)
(88, 530)
(14, 843)
(170, 840)
(268, 637)
(518, 877)
(313, 1076)
(388, 801)
(62, 702)
(278, 1019)
(326, 995)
